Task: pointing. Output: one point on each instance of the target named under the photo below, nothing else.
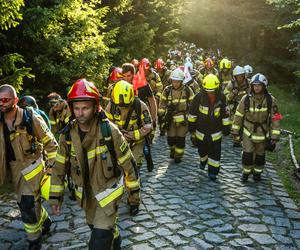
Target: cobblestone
(181, 209)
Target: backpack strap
(27, 120)
(136, 106)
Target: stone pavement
(182, 209)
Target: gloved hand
(193, 139)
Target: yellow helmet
(211, 82)
(225, 64)
(45, 186)
(123, 93)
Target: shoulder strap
(246, 103)
(187, 93)
(27, 120)
(269, 102)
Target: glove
(193, 139)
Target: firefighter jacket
(140, 123)
(92, 166)
(59, 119)
(30, 150)
(255, 119)
(209, 120)
(176, 103)
(165, 77)
(225, 79)
(234, 98)
(155, 83)
(193, 84)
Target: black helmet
(28, 101)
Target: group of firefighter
(95, 142)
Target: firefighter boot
(46, 226)
(244, 178)
(133, 210)
(35, 244)
(212, 176)
(256, 177)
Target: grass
(289, 107)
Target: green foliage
(69, 40)
(11, 72)
(9, 13)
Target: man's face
(128, 76)
(7, 101)
(240, 78)
(84, 111)
(258, 88)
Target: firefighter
(27, 149)
(209, 67)
(114, 76)
(225, 74)
(173, 110)
(257, 120)
(131, 116)
(94, 152)
(235, 90)
(163, 72)
(59, 114)
(208, 119)
(249, 71)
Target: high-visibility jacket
(177, 99)
(165, 77)
(206, 119)
(118, 115)
(155, 83)
(232, 98)
(92, 168)
(256, 121)
(59, 120)
(29, 150)
(225, 79)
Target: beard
(6, 109)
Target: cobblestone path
(182, 209)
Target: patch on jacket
(124, 147)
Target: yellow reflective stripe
(234, 126)
(137, 134)
(132, 122)
(203, 110)
(226, 121)
(57, 188)
(258, 170)
(275, 132)
(125, 157)
(179, 150)
(178, 118)
(78, 192)
(13, 136)
(46, 139)
(199, 135)
(120, 123)
(109, 115)
(133, 184)
(163, 97)
(52, 122)
(33, 228)
(110, 194)
(204, 158)
(33, 170)
(158, 94)
(192, 118)
(213, 163)
(254, 137)
(191, 97)
(247, 171)
(258, 110)
(61, 159)
(67, 119)
(237, 113)
(51, 155)
(98, 150)
(216, 136)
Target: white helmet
(238, 70)
(248, 69)
(259, 79)
(177, 74)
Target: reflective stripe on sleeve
(34, 169)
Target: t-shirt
(144, 93)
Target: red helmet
(159, 64)
(83, 90)
(208, 63)
(135, 62)
(116, 74)
(145, 63)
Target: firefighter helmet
(116, 74)
(177, 74)
(135, 62)
(238, 70)
(84, 90)
(248, 69)
(123, 93)
(259, 79)
(211, 82)
(225, 64)
(159, 64)
(28, 101)
(145, 63)
(208, 63)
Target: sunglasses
(5, 99)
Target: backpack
(187, 93)
(27, 120)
